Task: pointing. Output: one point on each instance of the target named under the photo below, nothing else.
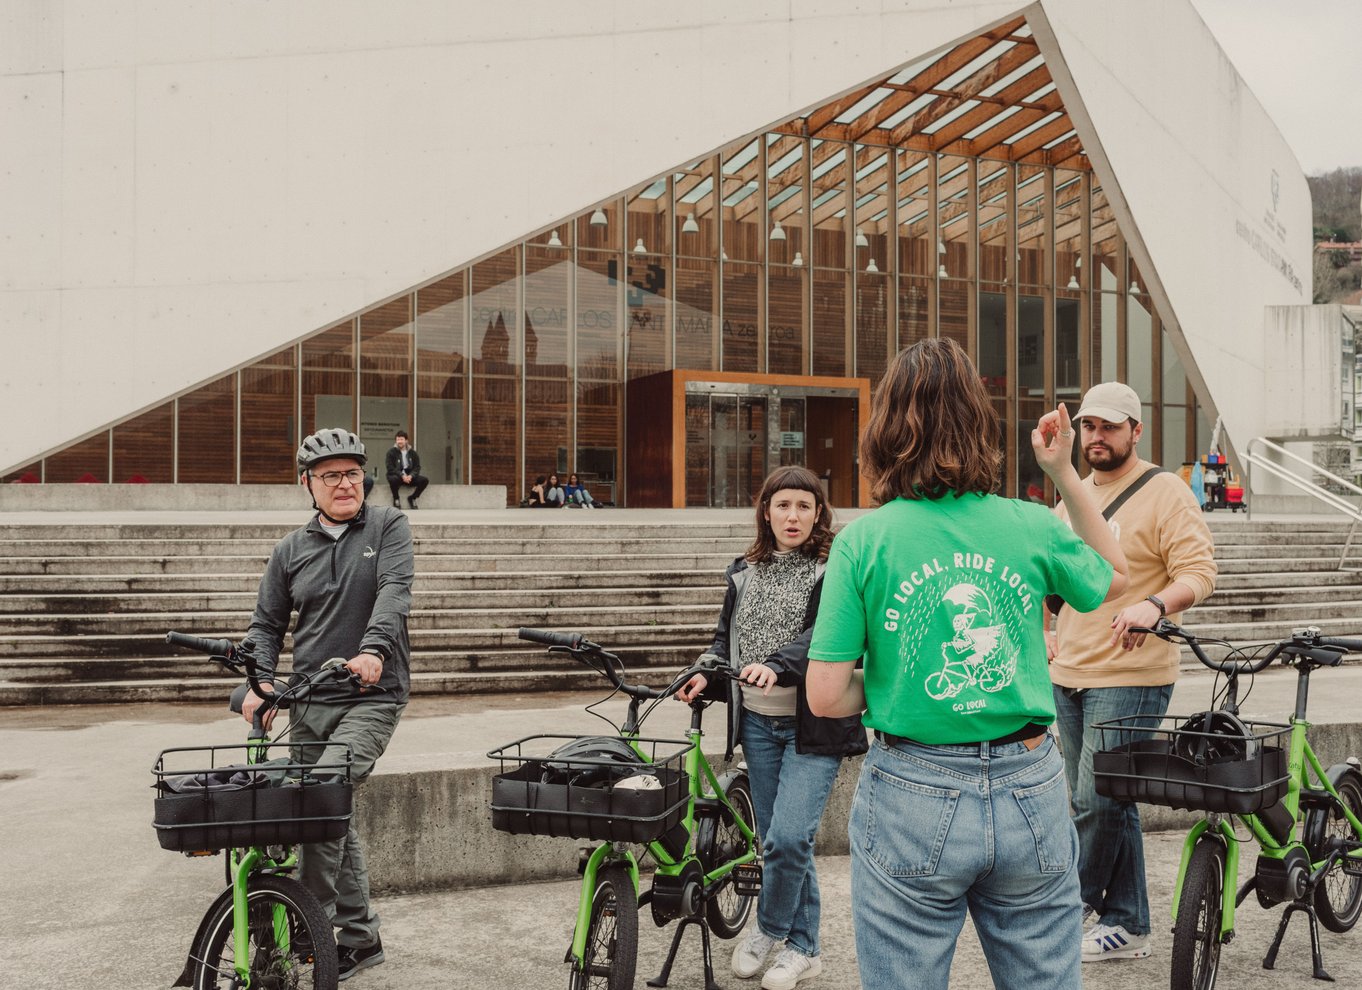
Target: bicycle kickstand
(1316, 953)
(661, 979)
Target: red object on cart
(1234, 497)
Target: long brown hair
(800, 479)
(932, 428)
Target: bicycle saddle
(1215, 737)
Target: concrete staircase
(84, 608)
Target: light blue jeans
(1111, 845)
(938, 830)
(789, 791)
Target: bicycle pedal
(747, 879)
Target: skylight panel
(1054, 115)
(945, 119)
(919, 104)
(1030, 65)
(874, 99)
(997, 118)
(974, 65)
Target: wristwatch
(1163, 609)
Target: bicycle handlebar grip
(1351, 645)
(212, 647)
(550, 637)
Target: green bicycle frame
(703, 784)
(1301, 760)
(245, 862)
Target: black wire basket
(1179, 765)
(538, 793)
(232, 803)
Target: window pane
(917, 232)
(914, 310)
(741, 185)
(742, 285)
(992, 361)
(828, 170)
(386, 354)
(1032, 226)
(496, 372)
(329, 379)
(441, 364)
(598, 319)
(695, 198)
(953, 220)
(785, 199)
(787, 290)
(1031, 347)
(207, 433)
(645, 302)
(30, 474)
(87, 461)
(829, 323)
(995, 207)
(548, 381)
(143, 448)
(696, 342)
(1067, 371)
(872, 325)
(269, 421)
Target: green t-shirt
(943, 599)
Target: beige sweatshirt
(1164, 536)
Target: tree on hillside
(1337, 198)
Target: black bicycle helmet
(1215, 737)
(591, 761)
(326, 444)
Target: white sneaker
(791, 967)
(750, 956)
(1114, 942)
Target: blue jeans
(789, 791)
(1111, 845)
(938, 830)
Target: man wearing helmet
(348, 575)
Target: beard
(1103, 458)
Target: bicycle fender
(186, 978)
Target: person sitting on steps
(403, 466)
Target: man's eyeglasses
(332, 479)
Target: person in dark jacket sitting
(403, 466)
(792, 756)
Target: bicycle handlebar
(578, 645)
(1305, 644)
(224, 648)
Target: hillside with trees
(1337, 198)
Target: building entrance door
(725, 449)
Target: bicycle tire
(1196, 932)
(719, 841)
(310, 961)
(1338, 897)
(611, 952)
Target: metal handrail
(1308, 486)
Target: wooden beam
(1039, 138)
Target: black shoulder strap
(1121, 499)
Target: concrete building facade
(666, 249)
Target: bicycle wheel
(612, 934)
(290, 940)
(719, 841)
(1196, 933)
(1338, 898)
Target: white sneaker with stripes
(1114, 942)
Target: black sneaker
(397, 503)
(412, 502)
(353, 959)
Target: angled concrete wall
(198, 185)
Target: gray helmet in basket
(592, 760)
(326, 444)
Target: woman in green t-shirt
(961, 804)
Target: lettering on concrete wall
(1268, 253)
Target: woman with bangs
(792, 755)
(961, 803)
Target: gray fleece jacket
(352, 595)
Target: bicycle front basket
(1176, 765)
(543, 794)
(231, 803)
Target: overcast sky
(1301, 58)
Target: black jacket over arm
(813, 734)
(393, 462)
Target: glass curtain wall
(776, 255)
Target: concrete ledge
(106, 498)
(433, 829)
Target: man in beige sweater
(1101, 670)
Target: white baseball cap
(1113, 401)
